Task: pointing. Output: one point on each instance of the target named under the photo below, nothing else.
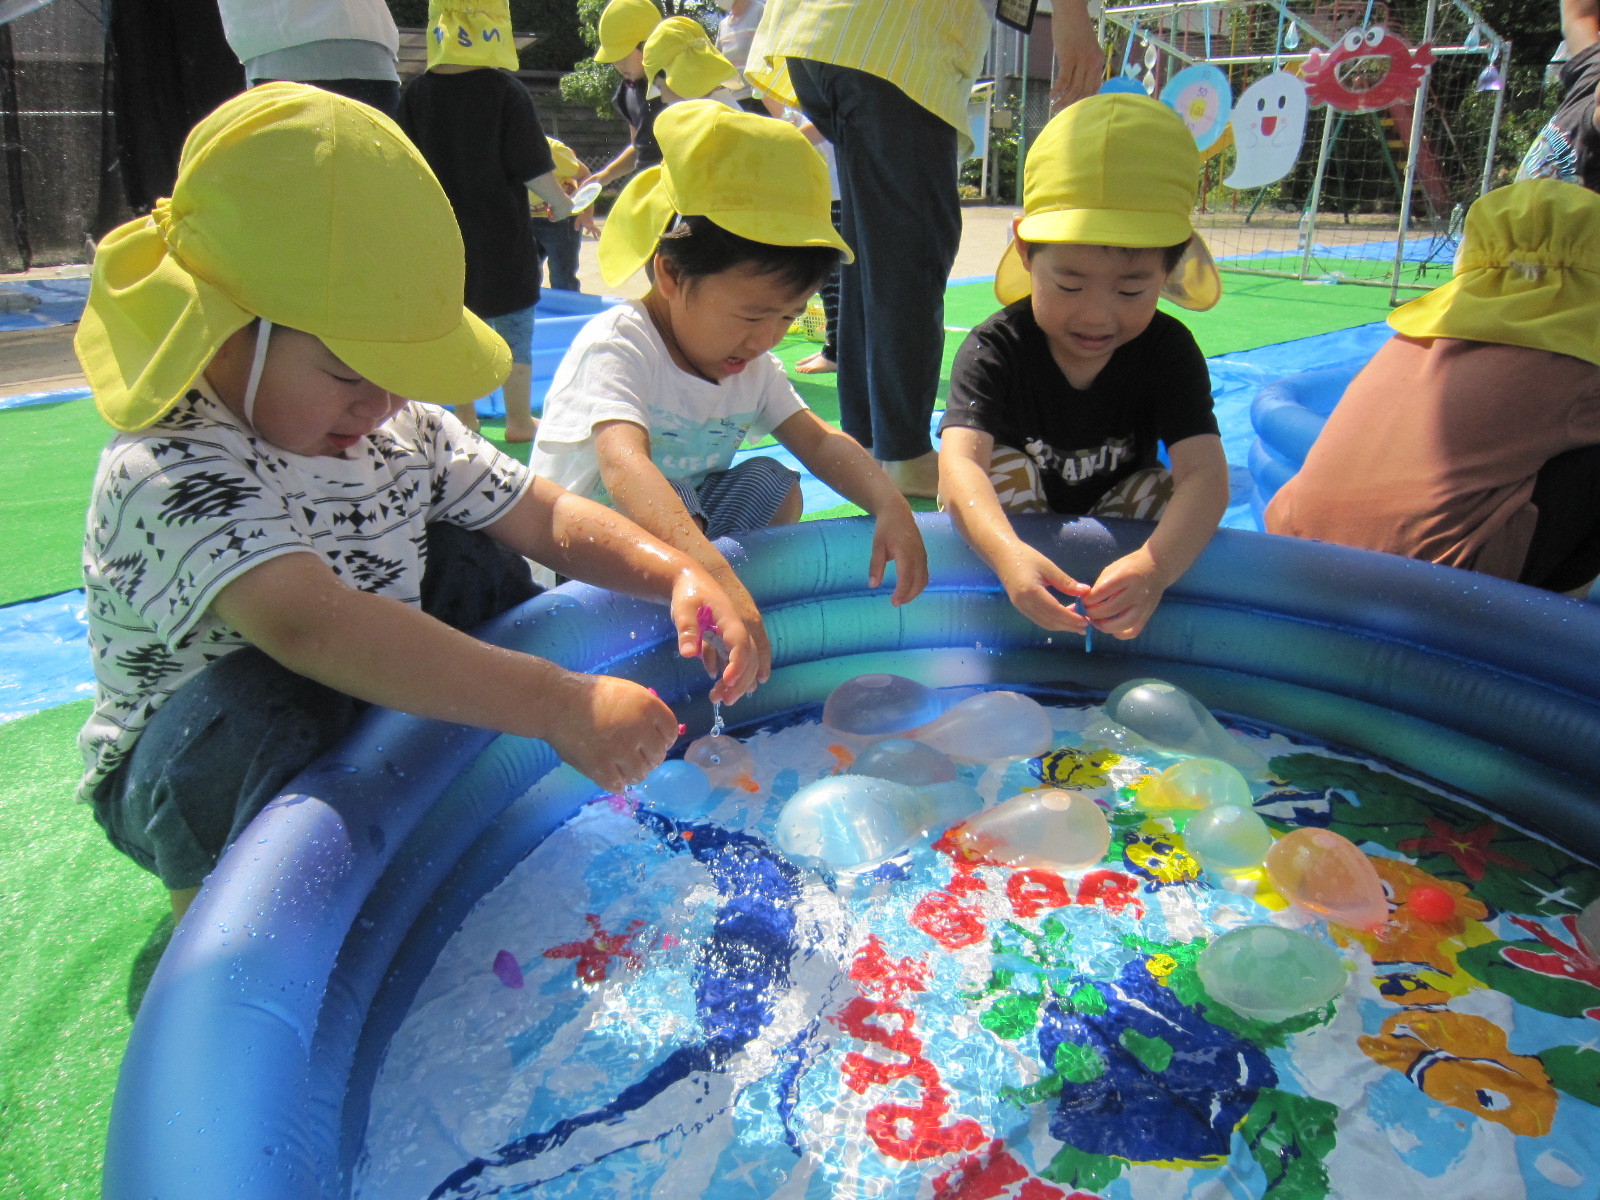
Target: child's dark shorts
(231, 738)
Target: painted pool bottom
(647, 1007)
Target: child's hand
(728, 638)
(1030, 579)
(896, 538)
(1127, 592)
(611, 730)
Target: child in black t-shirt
(1567, 146)
(1059, 402)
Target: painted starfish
(1469, 848)
(595, 952)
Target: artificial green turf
(50, 451)
(80, 930)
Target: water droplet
(1474, 37)
(1291, 36)
(1151, 55)
(1489, 79)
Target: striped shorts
(745, 496)
(1015, 477)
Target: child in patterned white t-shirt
(276, 537)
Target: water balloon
(724, 759)
(676, 788)
(1170, 719)
(851, 822)
(905, 761)
(1227, 838)
(877, 704)
(991, 727)
(1195, 783)
(1270, 974)
(1327, 875)
(1052, 829)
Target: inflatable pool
(1288, 415)
(251, 1063)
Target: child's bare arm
(584, 540)
(1028, 576)
(641, 493)
(299, 612)
(838, 460)
(1128, 590)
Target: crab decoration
(1366, 70)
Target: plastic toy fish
(1356, 56)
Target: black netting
(95, 101)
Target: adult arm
(1028, 576)
(838, 460)
(1128, 590)
(1080, 62)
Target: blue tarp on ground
(57, 302)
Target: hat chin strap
(257, 363)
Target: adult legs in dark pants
(558, 243)
(902, 216)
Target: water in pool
(667, 1006)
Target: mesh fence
(1342, 212)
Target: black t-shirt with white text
(1155, 389)
(1568, 147)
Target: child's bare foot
(521, 429)
(817, 364)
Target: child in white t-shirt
(654, 397)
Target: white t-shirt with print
(183, 508)
(619, 369)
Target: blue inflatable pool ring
(250, 1065)
(1288, 415)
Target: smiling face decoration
(1366, 70)
(1269, 124)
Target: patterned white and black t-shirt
(183, 508)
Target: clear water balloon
(1170, 719)
(851, 822)
(1227, 838)
(1053, 829)
(991, 727)
(1327, 875)
(676, 788)
(725, 760)
(878, 704)
(905, 761)
(1270, 974)
(1195, 783)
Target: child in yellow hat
(476, 125)
(558, 242)
(280, 533)
(654, 397)
(625, 26)
(1061, 401)
(1472, 437)
(681, 63)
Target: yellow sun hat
(312, 211)
(1114, 170)
(1527, 274)
(624, 26)
(753, 176)
(681, 47)
(471, 33)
